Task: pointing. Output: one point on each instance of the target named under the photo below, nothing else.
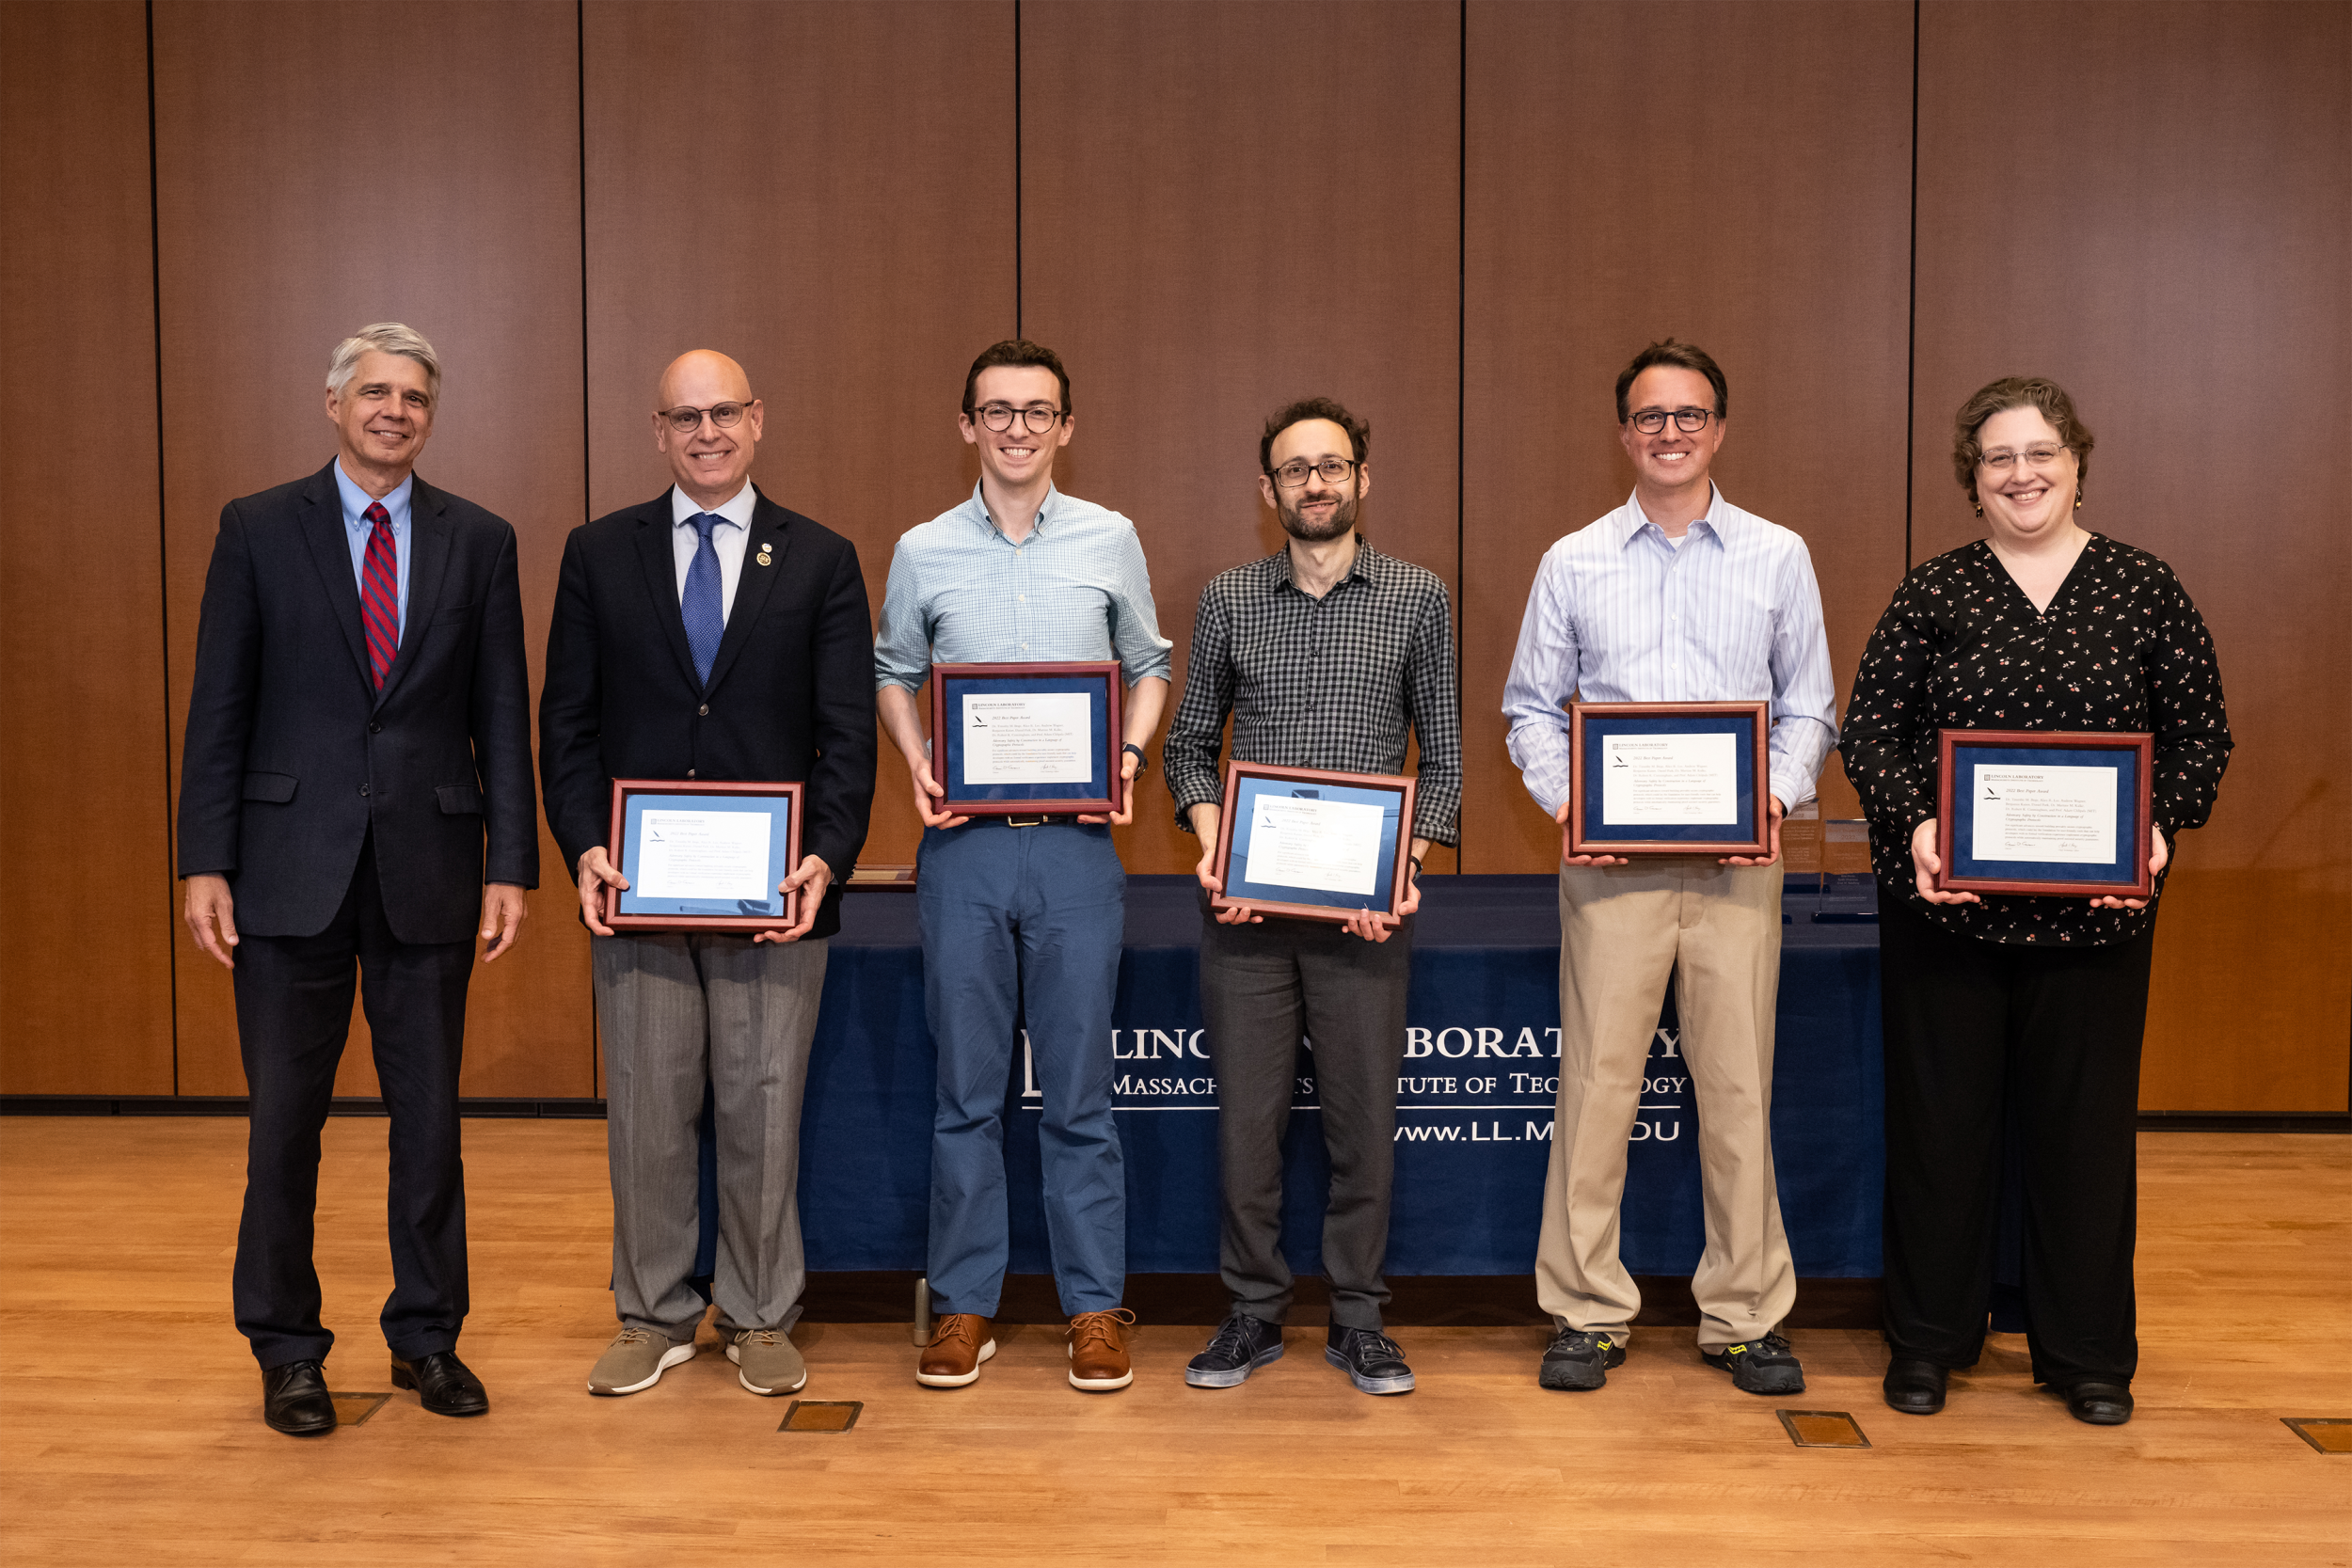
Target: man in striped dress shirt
(1677, 596)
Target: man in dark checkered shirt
(1323, 653)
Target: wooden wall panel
(321, 166)
(85, 973)
(1227, 206)
(1734, 175)
(844, 228)
(2152, 205)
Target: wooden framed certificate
(2044, 812)
(1026, 740)
(1312, 844)
(1669, 778)
(703, 857)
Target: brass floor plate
(2328, 1433)
(352, 1409)
(821, 1416)
(1823, 1429)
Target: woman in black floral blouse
(2036, 1000)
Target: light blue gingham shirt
(1076, 589)
(356, 528)
(1619, 615)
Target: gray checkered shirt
(1323, 683)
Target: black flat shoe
(1914, 1387)
(442, 1383)
(295, 1400)
(2101, 1404)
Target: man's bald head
(706, 422)
(700, 378)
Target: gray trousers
(1262, 986)
(673, 1010)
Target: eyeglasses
(998, 416)
(727, 416)
(1650, 421)
(2001, 460)
(1294, 473)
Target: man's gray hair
(387, 338)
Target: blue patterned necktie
(706, 619)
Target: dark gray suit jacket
(292, 757)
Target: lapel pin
(765, 559)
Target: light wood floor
(130, 1430)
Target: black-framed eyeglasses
(1294, 473)
(687, 420)
(2001, 460)
(1650, 421)
(998, 416)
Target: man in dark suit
(708, 634)
(359, 719)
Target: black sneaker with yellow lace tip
(1764, 1366)
(1578, 1361)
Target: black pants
(1262, 986)
(294, 1013)
(2055, 1032)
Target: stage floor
(130, 1430)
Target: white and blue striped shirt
(1076, 589)
(1619, 615)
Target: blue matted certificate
(2035, 812)
(1669, 778)
(1312, 843)
(704, 856)
(1013, 739)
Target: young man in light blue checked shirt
(1021, 913)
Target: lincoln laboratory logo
(1472, 1085)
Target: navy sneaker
(1764, 1366)
(1579, 1361)
(1371, 1360)
(1240, 1346)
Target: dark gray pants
(1262, 986)
(674, 1010)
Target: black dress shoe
(1914, 1387)
(2101, 1404)
(295, 1400)
(442, 1384)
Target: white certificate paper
(1331, 845)
(2065, 815)
(1027, 738)
(1669, 779)
(703, 854)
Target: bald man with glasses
(708, 634)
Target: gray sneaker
(769, 1363)
(635, 1360)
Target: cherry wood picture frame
(1115, 690)
(623, 788)
(1758, 845)
(1405, 787)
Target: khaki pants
(1623, 929)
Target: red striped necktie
(380, 601)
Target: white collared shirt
(727, 540)
(1618, 614)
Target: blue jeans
(1023, 922)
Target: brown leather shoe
(960, 1343)
(1098, 1353)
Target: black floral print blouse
(2121, 648)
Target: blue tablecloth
(1475, 1102)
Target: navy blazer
(790, 695)
(291, 756)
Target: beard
(1343, 519)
